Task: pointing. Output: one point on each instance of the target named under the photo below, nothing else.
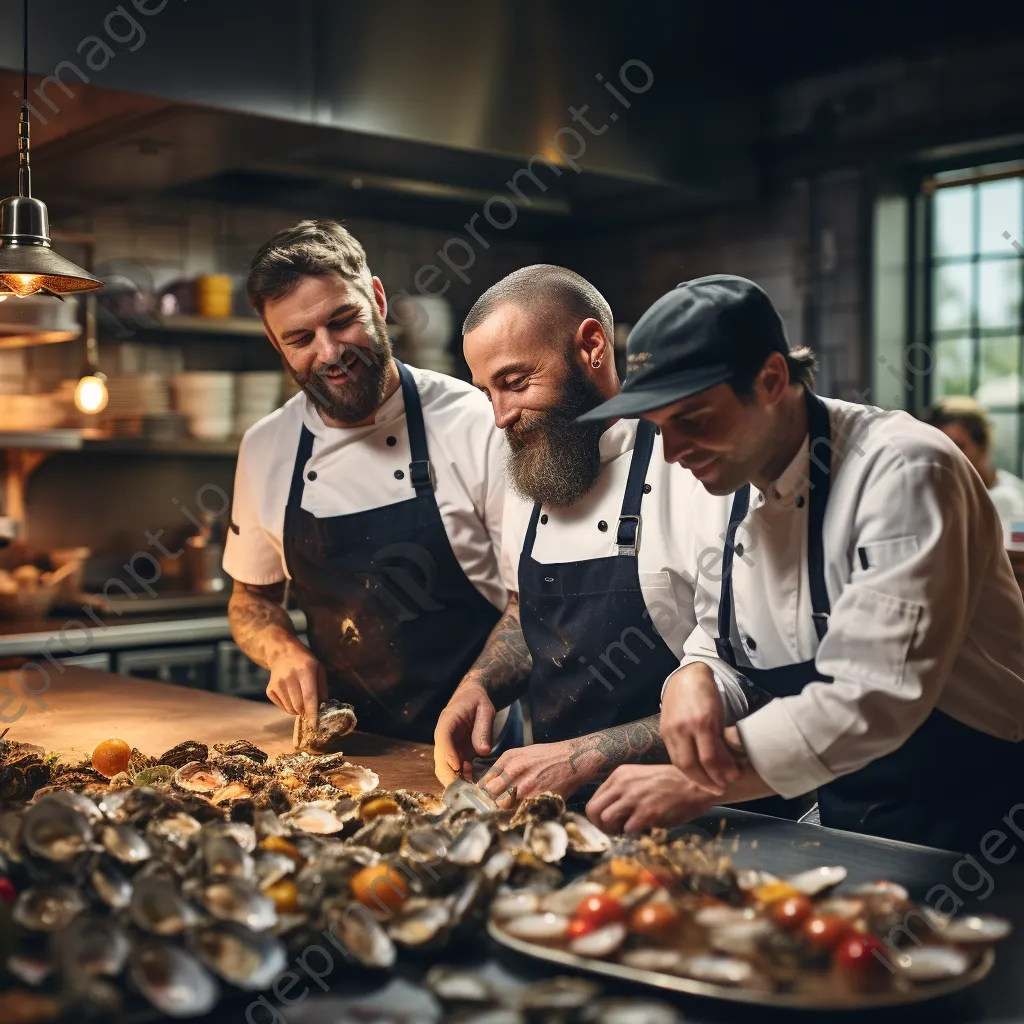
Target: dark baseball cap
(704, 332)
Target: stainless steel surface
(121, 636)
(829, 999)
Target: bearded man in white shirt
(376, 492)
(856, 574)
(595, 529)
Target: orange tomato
(654, 920)
(624, 870)
(111, 757)
(619, 889)
(825, 931)
(285, 895)
(381, 887)
(791, 912)
(600, 910)
(772, 892)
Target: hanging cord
(24, 172)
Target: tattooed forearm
(259, 623)
(503, 667)
(599, 753)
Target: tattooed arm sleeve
(503, 667)
(259, 623)
(601, 752)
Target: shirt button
(399, 474)
(647, 488)
(602, 526)
(311, 475)
(749, 642)
(544, 518)
(800, 501)
(739, 550)
(391, 442)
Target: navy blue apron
(598, 660)
(389, 610)
(948, 784)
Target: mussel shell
(238, 901)
(90, 945)
(240, 956)
(174, 981)
(125, 844)
(47, 910)
(55, 831)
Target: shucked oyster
(334, 721)
(197, 777)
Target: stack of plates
(256, 395)
(32, 412)
(208, 400)
(137, 394)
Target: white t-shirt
(666, 537)
(1007, 494)
(355, 471)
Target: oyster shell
(231, 793)
(932, 963)
(585, 838)
(154, 775)
(353, 779)
(80, 803)
(720, 970)
(456, 986)
(355, 927)
(242, 748)
(516, 903)
(241, 957)
(224, 858)
(177, 830)
(334, 721)
(47, 910)
(199, 777)
(470, 846)
(55, 831)
(110, 883)
(633, 1011)
(538, 807)
(236, 900)
(272, 866)
(462, 795)
(419, 803)
(138, 761)
(547, 839)
(172, 980)
(600, 943)
(817, 880)
(125, 844)
(156, 906)
(422, 924)
(318, 818)
(541, 928)
(90, 945)
(558, 994)
(183, 753)
(383, 834)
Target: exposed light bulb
(91, 394)
(22, 284)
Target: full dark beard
(552, 459)
(354, 400)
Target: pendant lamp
(28, 264)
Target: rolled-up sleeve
(893, 632)
(250, 556)
(732, 685)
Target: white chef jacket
(355, 471)
(925, 611)
(574, 534)
(1007, 494)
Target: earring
(596, 364)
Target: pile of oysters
(203, 872)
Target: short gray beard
(554, 460)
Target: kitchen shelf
(59, 440)
(237, 326)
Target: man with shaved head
(595, 540)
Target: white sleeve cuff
(727, 679)
(779, 753)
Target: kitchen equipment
(70, 585)
(213, 295)
(203, 556)
(208, 400)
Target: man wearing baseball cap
(856, 576)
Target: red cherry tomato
(792, 912)
(7, 892)
(578, 927)
(600, 910)
(856, 954)
(656, 876)
(825, 931)
(654, 920)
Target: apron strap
(421, 473)
(820, 432)
(740, 504)
(531, 532)
(627, 534)
(302, 455)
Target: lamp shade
(28, 264)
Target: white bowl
(210, 428)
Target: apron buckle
(421, 474)
(622, 541)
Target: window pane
(999, 293)
(953, 223)
(952, 369)
(1006, 428)
(1000, 370)
(1000, 211)
(951, 297)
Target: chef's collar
(618, 439)
(793, 482)
(392, 409)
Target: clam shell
(548, 840)
(47, 910)
(932, 963)
(600, 943)
(237, 901)
(543, 928)
(125, 844)
(173, 980)
(470, 846)
(817, 880)
(239, 956)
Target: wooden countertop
(83, 707)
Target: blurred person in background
(377, 491)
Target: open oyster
(190, 750)
(334, 721)
(199, 777)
